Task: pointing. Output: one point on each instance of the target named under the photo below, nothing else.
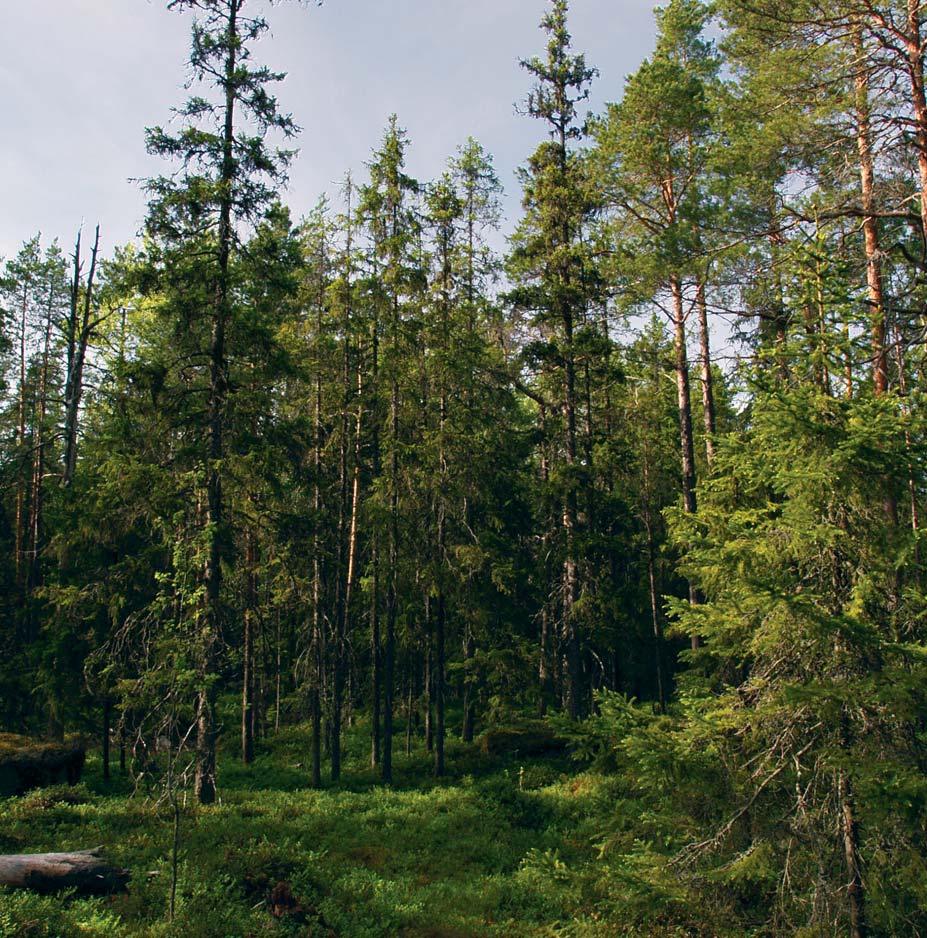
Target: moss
(531, 738)
(27, 763)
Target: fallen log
(83, 870)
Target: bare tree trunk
(80, 327)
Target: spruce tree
(228, 177)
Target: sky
(83, 78)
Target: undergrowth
(503, 846)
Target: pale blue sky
(83, 78)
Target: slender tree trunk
(438, 679)
(708, 397)
(659, 668)
(410, 702)
(315, 712)
(684, 399)
(392, 589)
(545, 688)
(875, 296)
(107, 722)
(684, 403)
(20, 540)
(469, 650)
(376, 661)
(428, 679)
(247, 653)
(856, 894)
(37, 499)
(205, 762)
(915, 64)
(571, 635)
(318, 653)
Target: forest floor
(503, 846)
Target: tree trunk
(708, 397)
(856, 894)
(247, 653)
(684, 402)
(85, 871)
(469, 650)
(376, 677)
(107, 722)
(205, 762)
(438, 681)
(79, 329)
(915, 66)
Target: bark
(85, 871)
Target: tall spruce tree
(228, 178)
(548, 265)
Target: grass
(504, 846)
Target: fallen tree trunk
(83, 870)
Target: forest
(395, 584)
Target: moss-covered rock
(28, 763)
(530, 738)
